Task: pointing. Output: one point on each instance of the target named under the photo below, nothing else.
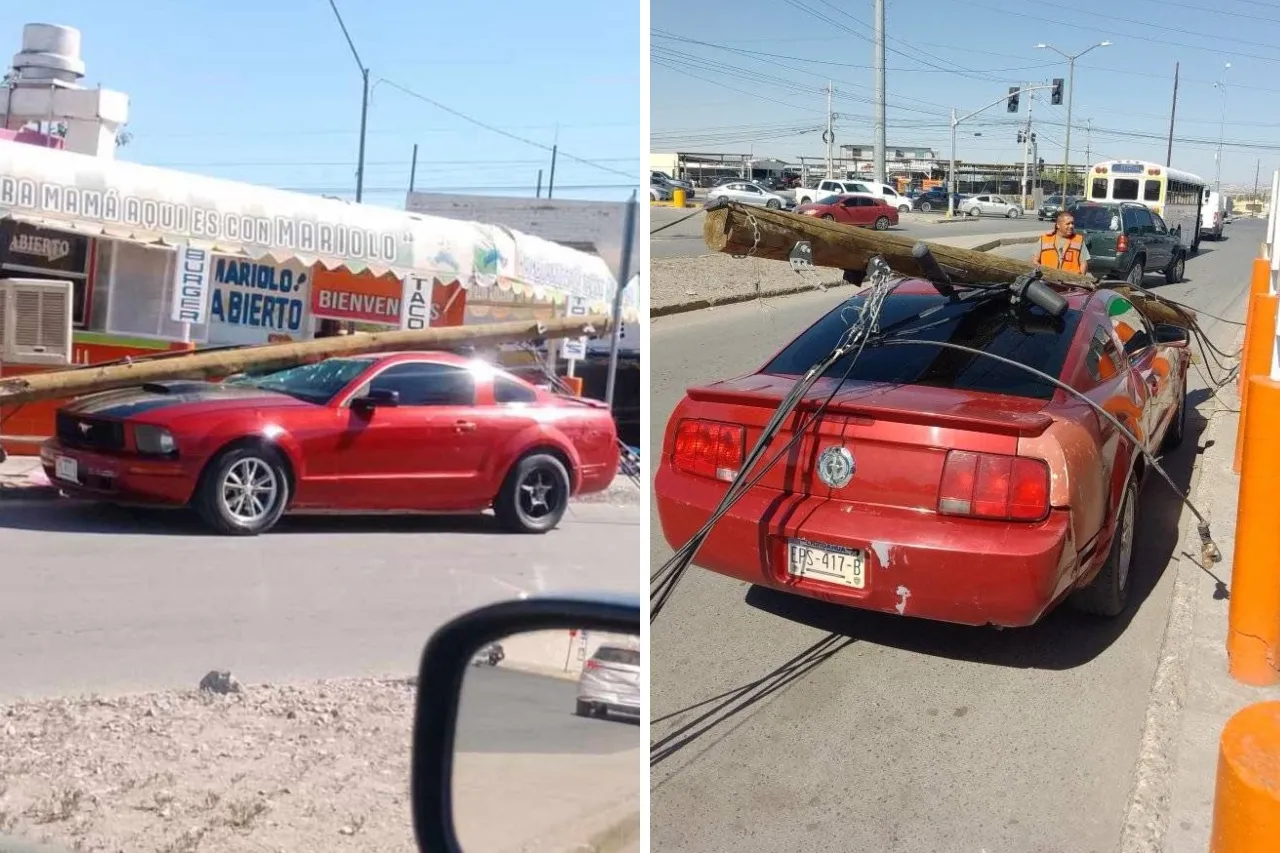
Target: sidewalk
(1171, 810)
(705, 281)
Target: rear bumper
(918, 563)
(127, 479)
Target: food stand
(165, 260)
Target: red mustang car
(937, 483)
(867, 211)
(425, 432)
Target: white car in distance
(746, 192)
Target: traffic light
(1056, 97)
(1021, 137)
(1013, 99)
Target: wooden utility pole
(732, 230)
(74, 382)
(1173, 112)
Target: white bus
(1176, 197)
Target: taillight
(986, 485)
(1122, 244)
(709, 449)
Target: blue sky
(268, 91)
(766, 62)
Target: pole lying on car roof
(75, 382)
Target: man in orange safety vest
(1062, 248)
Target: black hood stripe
(128, 402)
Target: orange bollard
(574, 383)
(1259, 282)
(1256, 358)
(1253, 619)
(1246, 803)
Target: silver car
(991, 205)
(610, 683)
(745, 192)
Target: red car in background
(420, 432)
(866, 211)
(937, 483)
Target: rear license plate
(67, 469)
(830, 563)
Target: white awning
(58, 189)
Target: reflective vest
(1070, 260)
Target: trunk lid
(898, 435)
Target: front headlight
(154, 440)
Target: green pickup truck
(1127, 240)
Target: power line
(513, 188)
(241, 164)
(478, 123)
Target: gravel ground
(719, 278)
(191, 771)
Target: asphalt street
(793, 725)
(521, 752)
(113, 600)
(685, 239)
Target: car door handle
(464, 426)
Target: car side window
(1131, 327)
(1102, 360)
(507, 390)
(1142, 217)
(427, 383)
(1161, 228)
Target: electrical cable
(677, 222)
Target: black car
(1052, 204)
(934, 199)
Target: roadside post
(574, 350)
(1246, 803)
(1259, 332)
(1253, 627)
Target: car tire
(1136, 274)
(1108, 592)
(582, 709)
(902, 208)
(1178, 428)
(236, 476)
(1013, 213)
(973, 211)
(537, 478)
(925, 207)
(773, 204)
(1176, 270)
(882, 223)
(828, 217)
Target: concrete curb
(687, 204)
(613, 838)
(1002, 242)
(1147, 816)
(700, 304)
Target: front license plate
(67, 469)
(829, 563)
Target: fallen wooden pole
(763, 233)
(57, 384)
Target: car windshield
(989, 326)
(315, 383)
(1093, 217)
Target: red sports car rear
(935, 483)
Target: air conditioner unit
(35, 321)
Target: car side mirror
(375, 399)
(1169, 334)
(516, 693)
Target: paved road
(523, 754)
(685, 239)
(889, 734)
(111, 600)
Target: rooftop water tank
(50, 54)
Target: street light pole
(1071, 92)
(955, 122)
(364, 100)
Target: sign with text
(575, 349)
(360, 297)
(191, 285)
(255, 301)
(25, 245)
(416, 296)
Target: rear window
(1124, 189)
(613, 654)
(1092, 217)
(990, 327)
